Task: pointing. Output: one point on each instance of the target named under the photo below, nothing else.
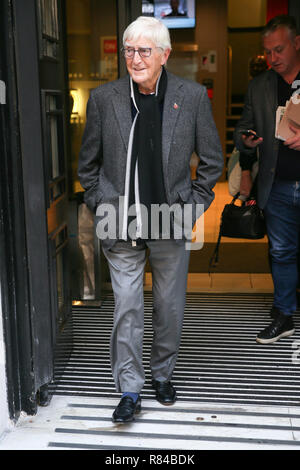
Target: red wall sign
(110, 46)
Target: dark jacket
(259, 114)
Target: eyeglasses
(144, 52)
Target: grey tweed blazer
(187, 127)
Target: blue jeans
(282, 214)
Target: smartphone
(249, 133)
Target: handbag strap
(235, 198)
(214, 260)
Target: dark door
(41, 75)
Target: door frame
(14, 275)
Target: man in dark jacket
(278, 181)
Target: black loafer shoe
(126, 409)
(165, 392)
(281, 327)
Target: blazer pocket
(185, 193)
(92, 198)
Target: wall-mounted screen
(173, 13)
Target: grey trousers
(169, 264)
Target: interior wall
(245, 14)
(245, 45)
(204, 56)
(277, 7)
(211, 35)
(245, 20)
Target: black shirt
(288, 163)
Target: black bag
(246, 221)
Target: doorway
(93, 39)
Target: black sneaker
(126, 409)
(281, 327)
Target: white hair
(148, 28)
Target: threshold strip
(182, 437)
(267, 427)
(196, 411)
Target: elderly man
(278, 183)
(140, 133)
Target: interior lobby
(216, 52)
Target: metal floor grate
(219, 360)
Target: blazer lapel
(122, 106)
(172, 108)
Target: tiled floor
(224, 282)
